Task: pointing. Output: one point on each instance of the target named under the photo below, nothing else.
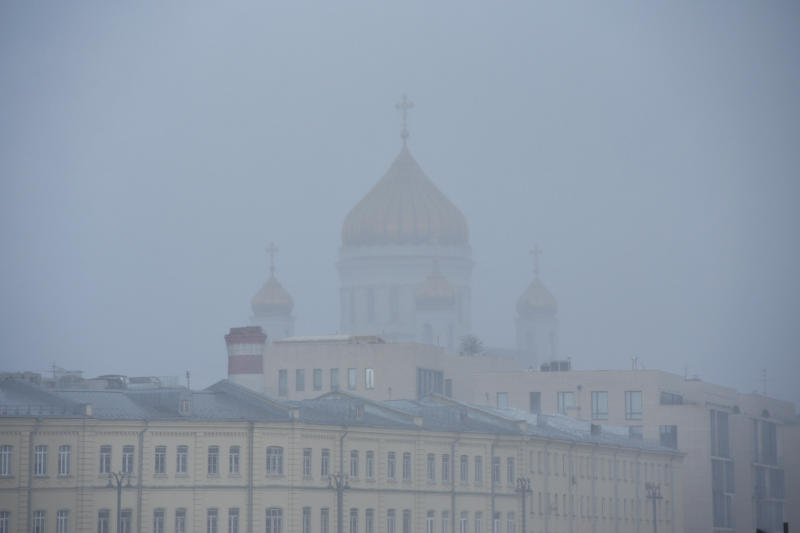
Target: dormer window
(185, 406)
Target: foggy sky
(148, 153)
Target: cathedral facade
(405, 268)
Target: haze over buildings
(148, 154)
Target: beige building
(228, 460)
(741, 449)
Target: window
(496, 470)
(354, 463)
(448, 388)
(599, 405)
(464, 469)
(62, 521)
(429, 381)
(274, 461)
(511, 523)
(305, 524)
(510, 470)
(406, 521)
(635, 432)
(719, 434)
(300, 380)
(369, 521)
(6, 456)
(478, 522)
(325, 463)
(496, 523)
(160, 463)
(406, 466)
(391, 467)
(274, 520)
(283, 382)
(445, 468)
(353, 520)
(722, 489)
(182, 460)
(104, 521)
(566, 401)
(158, 521)
(126, 521)
(38, 522)
(334, 379)
(64, 459)
(502, 400)
(40, 461)
(446, 522)
(352, 378)
(390, 521)
(306, 462)
(317, 379)
(105, 459)
(478, 469)
(369, 378)
(429, 522)
(180, 521)
(535, 402)
(668, 398)
(233, 460)
(212, 521)
(213, 460)
(4, 521)
(633, 405)
(462, 523)
(431, 468)
(324, 520)
(127, 459)
(370, 465)
(233, 520)
(669, 436)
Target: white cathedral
(405, 267)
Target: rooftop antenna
(634, 362)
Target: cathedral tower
(537, 325)
(272, 306)
(389, 240)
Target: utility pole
(523, 488)
(117, 479)
(654, 494)
(340, 483)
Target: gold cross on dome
(536, 252)
(403, 107)
(271, 249)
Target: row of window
(565, 401)
(333, 374)
(275, 464)
(558, 464)
(588, 507)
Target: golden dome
(404, 207)
(272, 299)
(436, 291)
(536, 298)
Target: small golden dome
(536, 298)
(436, 291)
(272, 299)
(404, 207)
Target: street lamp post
(653, 494)
(523, 488)
(340, 483)
(118, 479)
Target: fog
(149, 153)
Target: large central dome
(404, 207)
